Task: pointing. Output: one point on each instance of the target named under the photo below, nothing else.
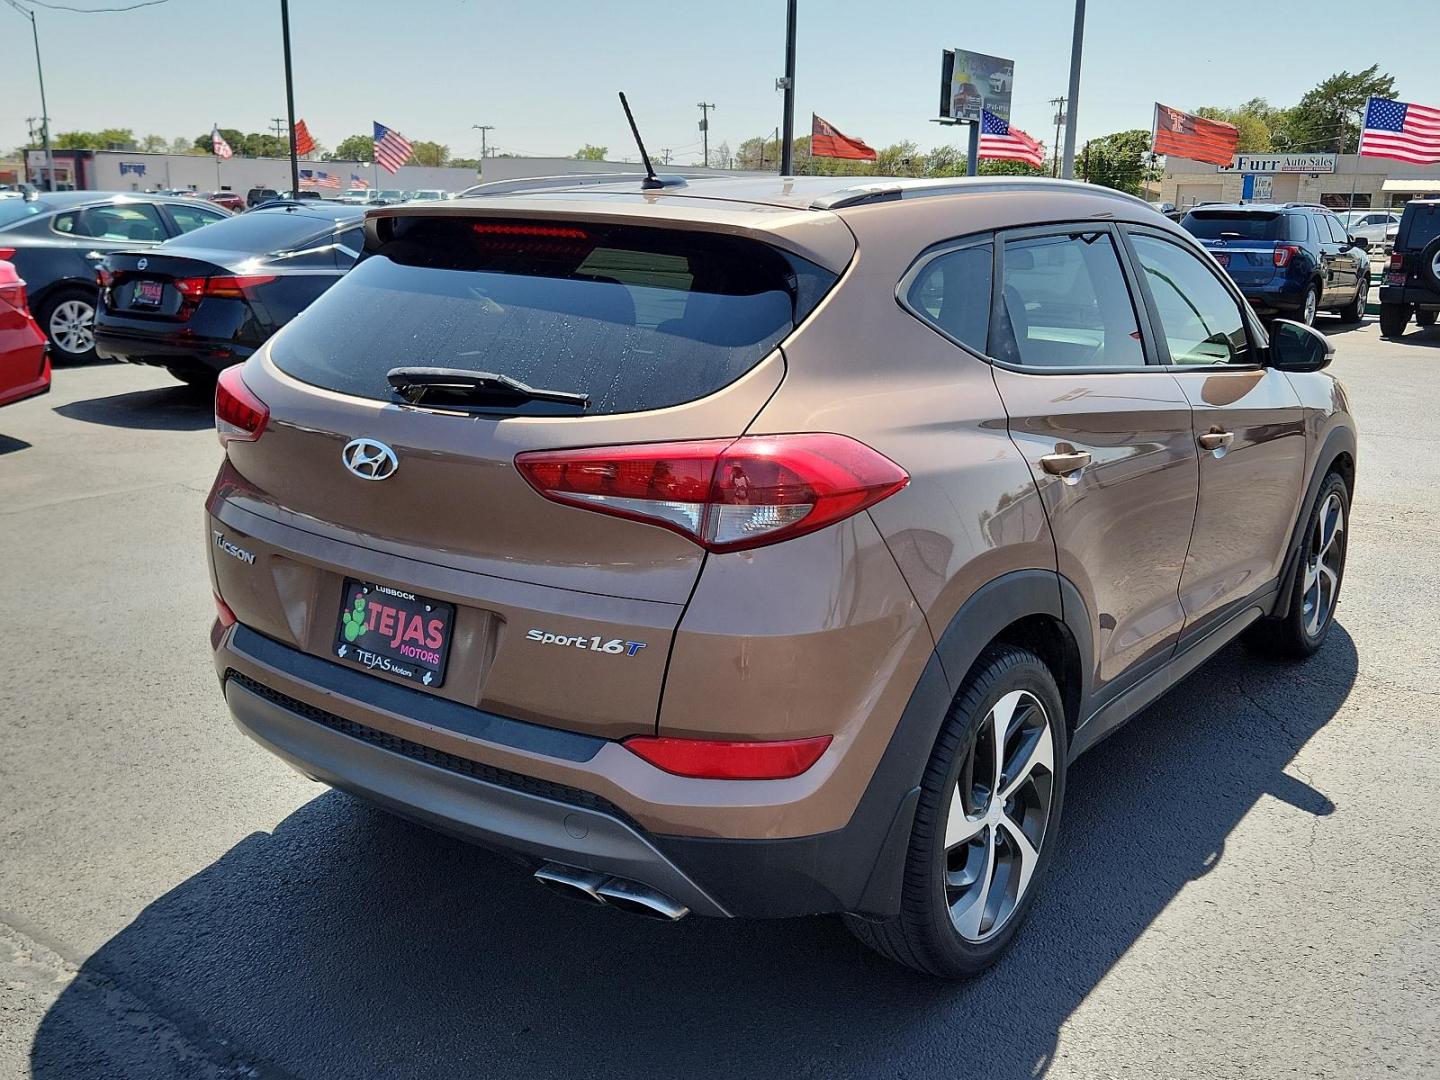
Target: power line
(92, 11)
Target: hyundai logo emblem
(369, 459)
(142, 264)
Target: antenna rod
(649, 169)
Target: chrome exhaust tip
(576, 884)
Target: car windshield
(1235, 225)
(13, 210)
(260, 232)
(637, 318)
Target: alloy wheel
(1324, 564)
(1311, 303)
(72, 326)
(998, 816)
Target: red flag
(1194, 137)
(218, 143)
(826, 141)
(303, 142)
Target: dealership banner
(1280, 163)
(973, 83)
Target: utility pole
(787, 84)
(1059, 104)
(290, 97)
(1067, 166)
(277, 125)
(44, 109)
(665, 155)
(483, 128)
(705, 107)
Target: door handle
(1216, 440)
(94, 256)
(1065, 460)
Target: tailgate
(1248, 263)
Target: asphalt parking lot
(1248, 884)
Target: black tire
(1354, 311)
(1293, 634)
(52, 319)
(923, 936)
(1426, 318)
(1393, 319)
(200, 378)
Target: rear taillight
(240, 416)
(725, 494)
(235, 287)
(6, 254)
(710, 759)
(1397, 260)
(1285, 252)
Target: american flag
(319, 178)
(358, 181)
(1000, 141)
(1397, 129)
(219, 145)
(391, 148)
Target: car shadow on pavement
(1427, 336)
(9, 444)
(350, 943)
(167, 408)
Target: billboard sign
(1280, 163)
(971, 81)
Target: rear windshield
(1235, 225)
(637, 318)
(13, 210)
(1418, 227)
(260, 232)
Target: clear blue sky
(545, 72)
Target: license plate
(388, 630)
(1395, 279)
(1223, 258)
(147, 294)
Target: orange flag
(826, 141)
(1194, 137)
(303, 142)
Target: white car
(1377, 226)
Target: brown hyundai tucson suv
(765, 546)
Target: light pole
(290, 100)
(44, 109)
(482, 128)
(1067, 164)
(787, 83)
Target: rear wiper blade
(415, 384)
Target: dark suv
(1412, 280)
(1291, 260)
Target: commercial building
(1338, 180)
(123, 170)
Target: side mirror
(1361, 242)
(1297, 347)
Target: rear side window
(637, 318)
(1297, 227)
(138, 221)
(1419, 225)
(952, 291)
(1235, 225)
(1067, 304)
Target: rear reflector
(724, 494)
(223, 613)
(240, 416)
(708, 759)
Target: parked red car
(228, 199)
(24, 364)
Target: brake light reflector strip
(240, 416)
(724, 494)
(711, 759)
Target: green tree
(182, 145)
(591, 153)
(945, 161)
(153, 144)
(758, 153)
(233, 136)
(1121, 160)
(429, 153)
(1328, 118)
(105, 139)
(1011, 168)
(355, 148)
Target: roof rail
(891, 190)
(545, 183)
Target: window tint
(132, 221)
(953, 292)
(1199, 318)
(1236, 224)
(637, 318)
(1298, 228)
(1330, 228)
(1067, 304)
(1420, 224)
(190, 218)
(13, 210)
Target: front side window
(952, 291)
(1067, 304)
(134, 221)
(1199, 319)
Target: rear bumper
(168, 349)
(855, 868)
(1427, 299)
(1274, 301)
